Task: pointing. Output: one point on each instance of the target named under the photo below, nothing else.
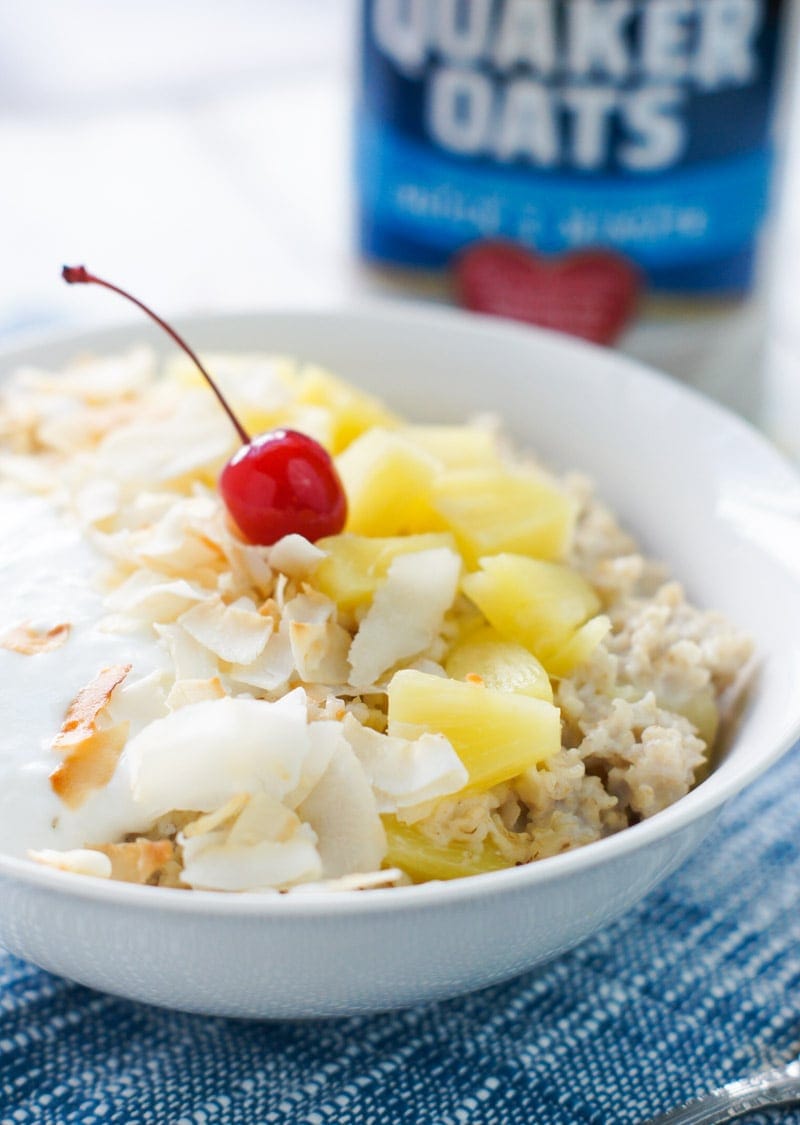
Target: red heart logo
(591, 293)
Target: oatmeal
(480, 670)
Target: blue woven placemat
(700, 985)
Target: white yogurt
(47, 571)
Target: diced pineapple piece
(699, 707)
(502, 665)
(492, 509)
(463, 620)
(496, 735)
(577, 650)
(355, 564)
(315, 421)
(353, 412)
(388, 485)
(541, 605)
(423, 859)
(455, 447)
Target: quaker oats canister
(555, 151)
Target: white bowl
(698, 487)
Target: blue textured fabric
(700, 985)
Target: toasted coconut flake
(270, 672)
(81, 717)
(99, 379)
(147, 596)
(90, 755)
(320, 652)
(406, 613)
(89, 764)
(158, 451)
(268, 865)
(236, 633)
(366, 881)
(405, 773)
(176, 546)
(77, 861)
(249, 569)
(310, 608)
(28, 641)
(210, 822)
(139, 861)
(190, 660)
(342, 811)
(295, 556)
(186, 692)
(263, 818)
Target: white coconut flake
(160, 451)
(94, 379)
(263, 818)
(361, 881)
(200, 756)
(190, 660)
(173, 543)
(310, 608)
(269, 672)
(269, 865)
(342, 811)
(78, 861)
(295, 556)
(236, 633)
(404, 773)
(320, 652)
(324, 740)
(406, 613)
(266, 845)
(185, 692)
(147, 596)
(140, 702)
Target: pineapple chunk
(540, 605)
(502, 665)
(388, 484)
(455, 447)
(356, 565)
(492, 509)
(580, 646)
(312, 420)
(352, 411)
(423, 859)
(497, 735)
(699, 707)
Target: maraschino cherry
(278, 483)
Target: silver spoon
(768, 1088)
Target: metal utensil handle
(769, 1088)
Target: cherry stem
(79, 275)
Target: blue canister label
(641, 125)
